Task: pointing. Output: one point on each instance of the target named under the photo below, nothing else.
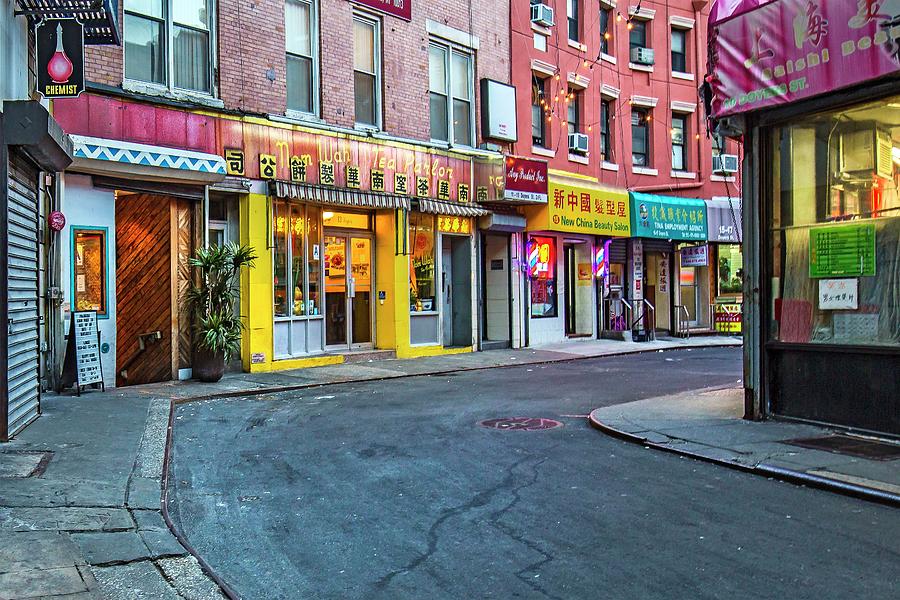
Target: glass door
(348, 291)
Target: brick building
(610, 90)
(340, 140)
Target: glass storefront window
(421, 263)
(296, 281)
(730, 270)
(89, 271)
(834, 222)
(542, 274)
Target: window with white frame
(679, 142)
(300, 21)
(169, 43)
(367, 70)
(451, 95)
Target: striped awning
(318, 194)
(456, 209)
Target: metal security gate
(23, 367)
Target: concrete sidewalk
(80, 489)
(708, 425)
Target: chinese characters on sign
(234, 161)
(579, 209)
(267, 166)
(461, 225)
(838, 294)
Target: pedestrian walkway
(708, 425)
(80, 489)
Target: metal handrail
(683, 322)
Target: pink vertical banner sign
(787, 50)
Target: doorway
(348, 291)
(456, 290)
(569, 287)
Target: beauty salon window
(834, 252)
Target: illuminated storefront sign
(584, 209)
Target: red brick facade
(250, 58)
(614, 74)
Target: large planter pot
(209, 367)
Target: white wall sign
(498, 110)
(838, 294)
(695, 256)
(87, 348)
(662, 274)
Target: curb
(164, 506)
(311, 385)
(762, 469)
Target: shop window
(538, 123)
(154, 29)
(89, 275)
(542, 274)
(296, 281)
(451, 94)
(605, 30)
(300, 45)
(834, 227)
(421, 263)
(367, 70)
(640, 137)
(679, 51)
(679, 143)
(730, 270)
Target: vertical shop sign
(60, 58)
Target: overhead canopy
(456, 209)
(100, 156)
(318, 194)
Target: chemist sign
(60, 58)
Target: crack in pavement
(480, 499)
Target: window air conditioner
(541, 14)
(725, 163)
(578, 142)
(642, 56)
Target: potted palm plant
(217, 326)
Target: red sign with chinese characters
(398, 8)
(526, 179)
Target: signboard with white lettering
(87, 348)
(838, 294)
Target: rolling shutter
(23, 344)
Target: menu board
(842, 250)
(87, 347)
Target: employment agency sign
(788, 50)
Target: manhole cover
(851, 446)
(521, 423)
(15, 465)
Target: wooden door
(144, 299)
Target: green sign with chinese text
(842, 250)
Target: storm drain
(851, 446)
(18, 465)
(521, 423)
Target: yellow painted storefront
(391, 293)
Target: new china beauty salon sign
(526, 180)
(788, 50)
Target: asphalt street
(392, 490)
